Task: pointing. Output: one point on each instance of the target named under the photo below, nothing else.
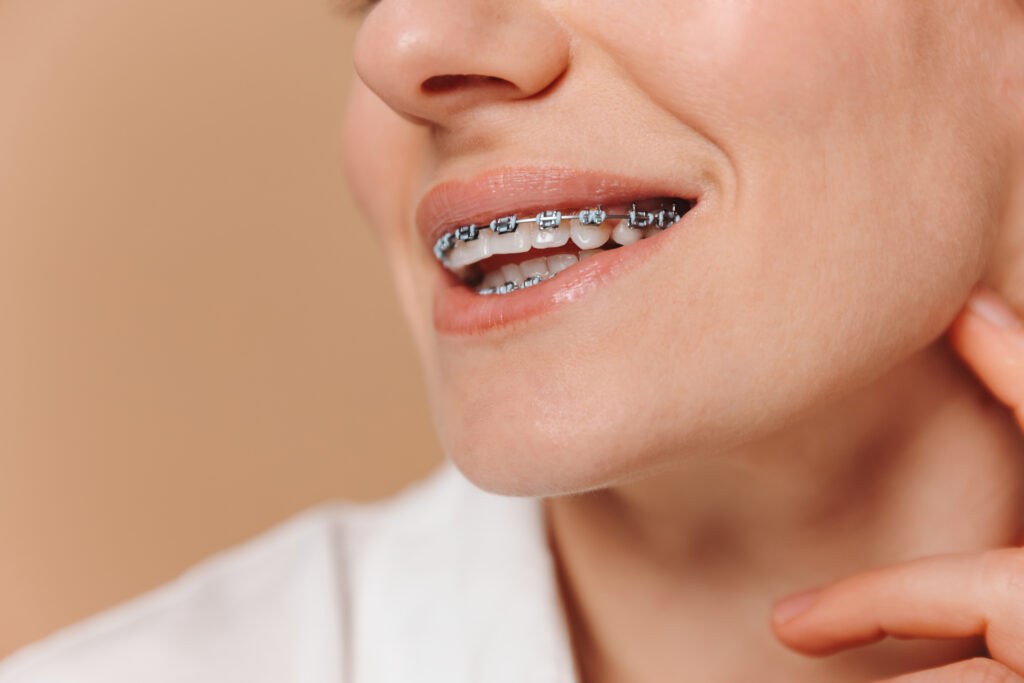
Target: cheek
(847, 233)
(382, 155)
(379, 152)
(855, 181)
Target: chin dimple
(466, 249)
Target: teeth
(512, 273)
(493, 279)
(589, 229)
(623, 234)
(531, 281)
(546, 239)
(465, 253)
(537, 267)
(559, 262)
(512, 277)
(517, 242)
(589, 236)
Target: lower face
(845, 189)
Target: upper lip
(509, 190)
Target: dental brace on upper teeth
(550, 220)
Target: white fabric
(443, 582)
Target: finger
(989, 336)
(933, 597)
(975, 670)
(945, 596)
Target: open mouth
(512, 253)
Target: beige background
(197, 335)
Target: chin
(514, 462)
(574, 439)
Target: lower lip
(458, 310)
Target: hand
(945, 596)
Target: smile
(516, 243)
(503, 256)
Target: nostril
(441, 84)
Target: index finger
(943, 596)
(935, 597)
(989, 336)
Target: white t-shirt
(443, 582)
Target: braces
(511, 286)
(549, 220)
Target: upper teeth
(502, 235)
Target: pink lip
(460, 311)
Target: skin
(786, 407)
(944, 596)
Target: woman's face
(845, 163)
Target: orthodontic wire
(550, 220)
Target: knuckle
(983, 670)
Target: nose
(432, 60)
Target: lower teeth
(564, 261)
(511, 286)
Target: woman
(710, 349)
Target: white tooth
(465, 253)
(493, 279)
(517, 242)
(587, 253)
(537, 267)
(512, 273)
(589, 236)
(559, 262)
(546, 239)
(651, 230)
(623, 234)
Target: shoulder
(237, 615)
(332, 594)
(219, 615)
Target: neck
(675, 573)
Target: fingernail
(790, 607)
(992, 308)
